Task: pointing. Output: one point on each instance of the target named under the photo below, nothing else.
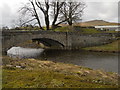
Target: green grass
(81, 30)
(112, 47)
(78, 29)
(0, 77)
(89, 30)
(68, 29)
(64, 29)
(48, 74)
(46, 79)
(112, 31)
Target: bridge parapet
(50, 32)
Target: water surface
(95, 60)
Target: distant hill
(94, 23)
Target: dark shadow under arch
(49, 42)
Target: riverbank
(32, 73)
(111, 47)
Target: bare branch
(32, 11)
(28, 21)
(72, 10)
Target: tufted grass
(48, 74)
(46, 79)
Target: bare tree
(61, 12)
(72, 11)
(55, 10)
(44, 7)
(31, 11)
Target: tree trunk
(47, 22)
(70, 23)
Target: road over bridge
(64, 40)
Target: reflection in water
(24, 52)
(94, 60)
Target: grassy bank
(31, 73)
(111, 47)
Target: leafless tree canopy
(72, 11)
(55, 10)
(59, 12)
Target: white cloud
(101, 10)
(9, 10)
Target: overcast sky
(96, 9)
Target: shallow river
(94, 60)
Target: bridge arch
(50, 43)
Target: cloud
(101, 10)
(9, 11)
(6, 14)
(98, 9)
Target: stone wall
(70, 40)
(87, 40)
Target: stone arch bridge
(65, 40)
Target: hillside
(94, 23)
